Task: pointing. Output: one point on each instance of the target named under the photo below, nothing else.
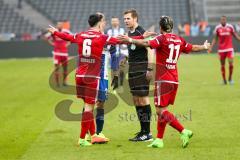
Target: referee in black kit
(140, 73)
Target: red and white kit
(168, 49)
(60, 50)
(90, 48)
(225, 44)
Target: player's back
(91, 45)
(171, 46)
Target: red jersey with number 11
(168, 49)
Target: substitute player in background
(118, 53)
(60, 54)
(168, 47)
(223, 34)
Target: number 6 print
(86, 51)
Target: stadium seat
(77, 11)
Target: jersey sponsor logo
(90, 36)
(174, 40)
(224, 33)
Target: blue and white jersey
(103, 85)
(104, 65)
(114, 32)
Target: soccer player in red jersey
(168, 47)
(90, 48)
(223, 34)
(60, 53)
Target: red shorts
(60, 60)
(165, 93)
(224, 55)
(87, 89)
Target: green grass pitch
(29, 129)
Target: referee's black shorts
(138, 84)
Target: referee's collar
(132, 31)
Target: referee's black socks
(144, 116)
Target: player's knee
(143, 101)
(88, 107)
(160, 110)
(100, 105)
(230, 62)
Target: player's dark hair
(166, 24)
(94, 19)
(133, 12)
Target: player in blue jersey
(102, 92)
(102, 95)
(118, 53)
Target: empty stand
(11, 22)
(77, 11)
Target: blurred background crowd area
(26, 20)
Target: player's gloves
(114, 83)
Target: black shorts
(138, 84)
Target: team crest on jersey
(133, 47)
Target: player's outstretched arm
(149, 74)
(64, 36)
(205, 46)
(214, 41)
(148, 34)
(140, 42)
(236, 36)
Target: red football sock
(223, 72)
(92, 129)
(65, 76)
(230, 72)
(172, 120)
(87, 118)
(56, 76)
(161, 125)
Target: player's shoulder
(230, 26)
(172, 36)
(218, 27)
(140, 29)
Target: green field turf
(29, 129)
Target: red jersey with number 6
(90, 48)
(168, 49)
